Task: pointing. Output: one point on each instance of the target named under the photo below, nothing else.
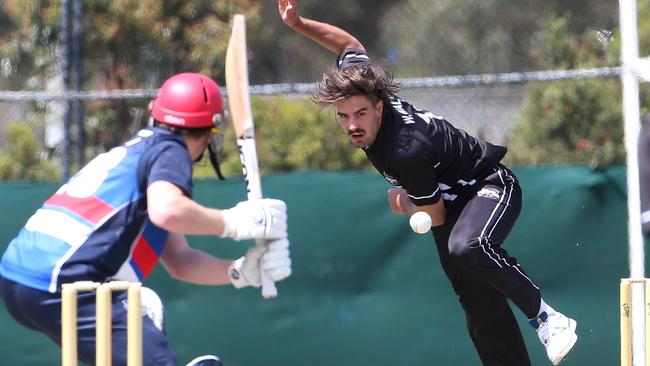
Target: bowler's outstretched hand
(289, 12)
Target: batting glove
(256, 219)
(272, 258)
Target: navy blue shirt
(96, 226)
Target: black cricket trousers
(482, 273)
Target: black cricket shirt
(422, 152)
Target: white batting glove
(256, 219)
(272, 258)
(277, 260)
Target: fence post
(64, 45)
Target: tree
(23, 157)
(279, 54)
(424, 38)
(128, 43)
(577, 121)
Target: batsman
(458, 180)
(130, 208)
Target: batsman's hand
(256, 219)
(272, 258)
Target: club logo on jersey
(489, 193)
(390, 179)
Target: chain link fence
(487, 45)
(485, 105)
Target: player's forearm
(400, 203)
(169, 209)
(436, 212)
(329, 36)
(200, 268)
(190, 218)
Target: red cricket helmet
(189, 100)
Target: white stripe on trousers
(483, 240)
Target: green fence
(366, 290)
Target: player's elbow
(177, 272)
(164, 214)
(176, 267)
(165, 204)
(352, 42)
(161, 219)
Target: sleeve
(352, 57)
(173, 164)
(420, 181)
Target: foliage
(292, 134)
(138, 43)
(129, 44)
(421, 38)
(23, 157)
(277, 47)
(574, 121)
(472, 37)
(577, 121)
(131, 41)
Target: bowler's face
(360, 118)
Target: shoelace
(540, 323)
(537, 321)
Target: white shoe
(557, 333)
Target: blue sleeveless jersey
(95, 227)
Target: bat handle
(268, 286)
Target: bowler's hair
(373, 82)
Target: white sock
(539, 319)
(544, 307)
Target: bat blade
(242, 118)
(240, 106)
(237, 79)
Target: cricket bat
(242, 118)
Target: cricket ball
(420, 222)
